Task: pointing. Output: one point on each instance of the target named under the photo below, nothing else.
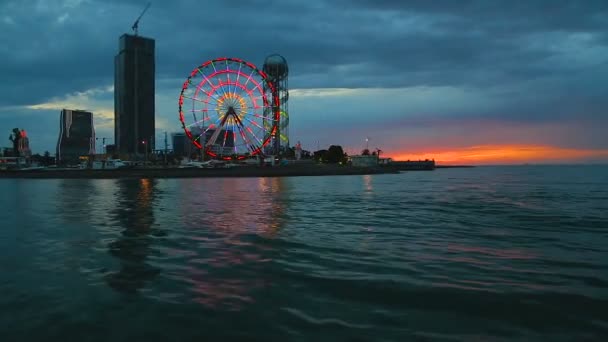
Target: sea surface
(481, 254)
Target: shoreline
(243, 171)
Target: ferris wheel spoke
(259, 116)
(265, 107)
(219, 79)
(226, 88)
(209, 92)
(206, 118)
(213, 101)
(257, 107)
(224, 141)
(256, 85)
(209, 102)
(238, 74)
(241, 133)
(222, 85)
(195, 99)
(234, 137)
(254, 123)
(246, 139)
(248, 129)
(248, 79)
(228, 72)
(204, 110)
(219, 91)
(213, 86)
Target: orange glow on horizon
(504, 154)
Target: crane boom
(136, 23)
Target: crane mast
(136, 23)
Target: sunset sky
(463, 82)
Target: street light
(145, 152)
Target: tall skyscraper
(134, 84)
(76, 136)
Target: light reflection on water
(484, 252)
(135, 214)
(195, 233)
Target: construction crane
(136, 23)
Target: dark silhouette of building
(224, 142)
(76, 136)
(21, 143)
(224, 138)
(111, 150)
(182, 146)
(134, 78)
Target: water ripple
(473, 254)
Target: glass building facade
(76, 136)
(134, 86)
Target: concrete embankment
(245, 171)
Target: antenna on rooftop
(136, 23)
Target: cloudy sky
(476, 82)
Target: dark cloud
(387, 43)
(503, 15)
(543, 60)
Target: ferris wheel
(228, 110)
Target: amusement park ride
(232, 110)
(277, 70)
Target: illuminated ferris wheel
(227, 108)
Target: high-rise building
(76, 136)
(134, 84)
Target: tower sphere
(276, 66)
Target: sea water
(488, 254)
